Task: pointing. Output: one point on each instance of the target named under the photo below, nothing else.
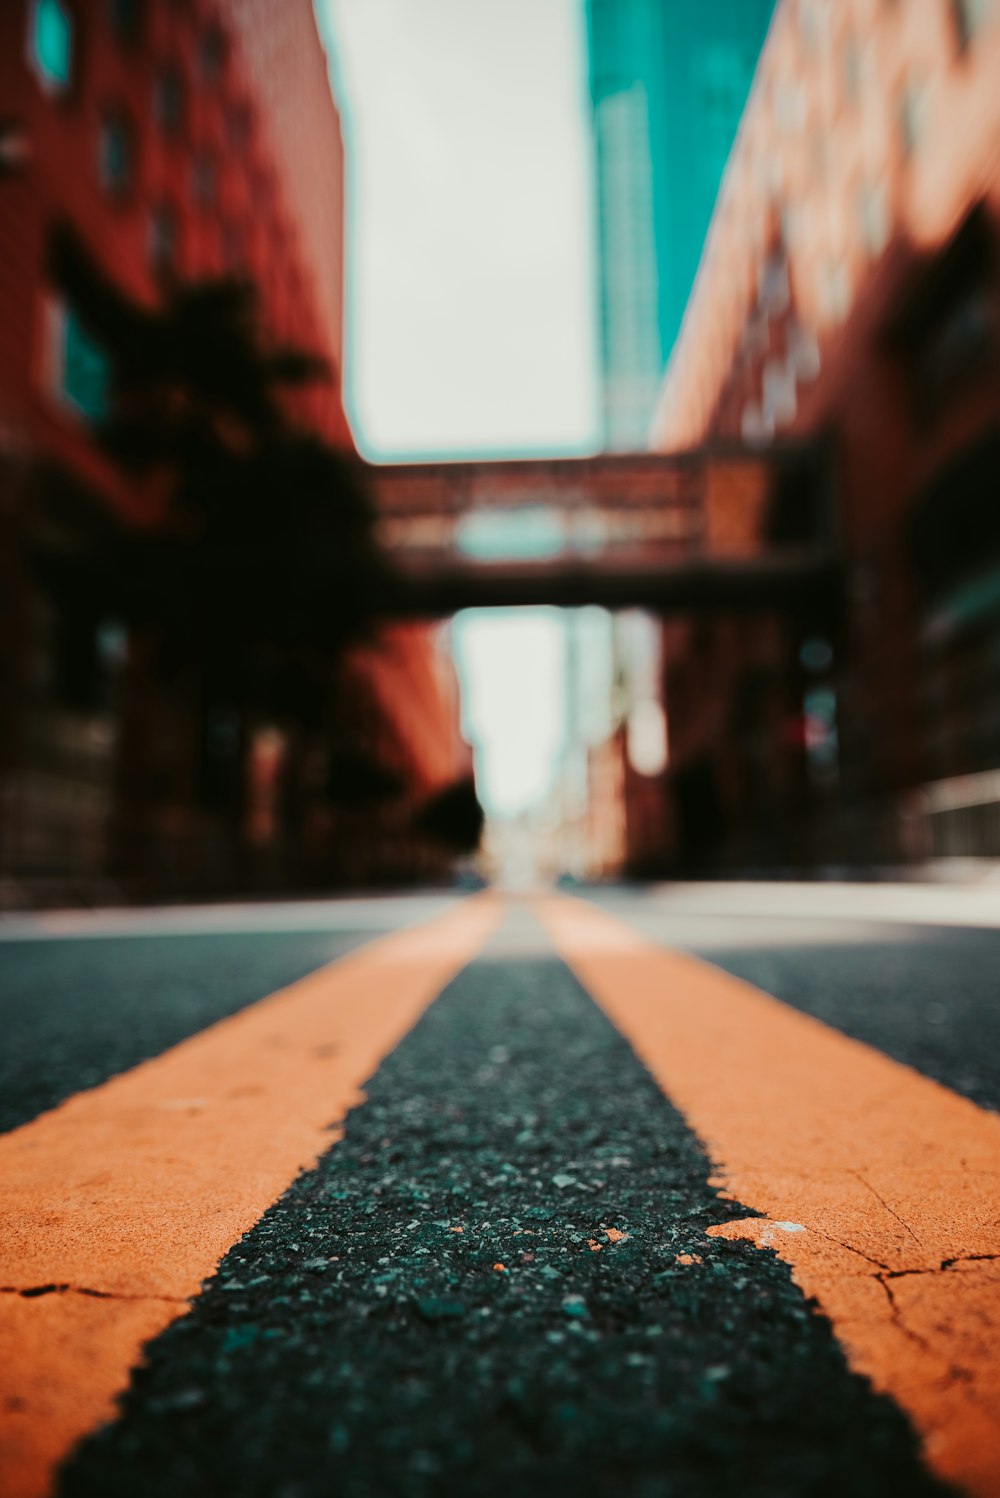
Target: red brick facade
(183, 140)
(214, 164)
(849, 294)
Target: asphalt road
(890, 968)
(499, 1279)
(83, 998)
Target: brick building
(849, 298)
(183, 140)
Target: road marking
(878, 1186)
(115, 1206)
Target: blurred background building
(848, 300)
(668, 82)
(836, 314)
(178, 143)
(667, 85)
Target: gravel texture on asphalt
(499, 1282)
(924, 995)
(75, 1012)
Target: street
(528, 1193)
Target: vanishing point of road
(677, 1191)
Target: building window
(168, 100)
(234, 250)
(834, 291)
(873, 217)
(50, 43)
(812, 27)
(755, 426)
(793, 219)
(852, 69)
(779, 393)
(970, 16)
(789, 105)
(819, 154)
(912, 108)
(238, 128)
(211, 54)
(80, 367)
(803, 351)
(115, 153)
(203, 180)
(162, 239)
(949, 326)
(773, 290)
(125, 20)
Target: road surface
(662, 1191)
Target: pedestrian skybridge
(678, 532)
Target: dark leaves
(268, 537)
(454, 816)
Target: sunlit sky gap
(471, 321)
(471, 311)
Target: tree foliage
(266, 549)
(454, 816)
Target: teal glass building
(668, 83)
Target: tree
(454, 816)
(262, 565)
(267, 541)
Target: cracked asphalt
(499, 1278)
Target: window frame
(126, 26)
(204, 180)
(50, 83)
(169, 72)
(63, 327)
(211, 53)
(112, 119)
(911, 116)
(163, 212)
(968, 18)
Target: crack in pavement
(34, 1292)
(847, 1247)
(881, 1199)
(945, 1264)
(898, 1321)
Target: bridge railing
(675, 532)
(613, 507)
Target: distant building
(668, 82)
(848, 296)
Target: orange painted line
(126, 1197)
(878, 1186)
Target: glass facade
(115, 153)
(85, 370)
(51, 43)
(668, 83)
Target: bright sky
(471, 323)
(471, 318)
(512, 666)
